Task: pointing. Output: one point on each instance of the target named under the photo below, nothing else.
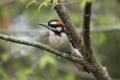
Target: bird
(60, 40)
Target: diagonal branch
(42, 46)
(70, 27)
(72, 58)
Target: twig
(99, 72)
(42, 46)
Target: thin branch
(42, 46)
(99, 72)
(72, 58)
(86, 33)
(86, 26)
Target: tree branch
(70, 27)
(86, 33)
(99, 72)
(44, 47)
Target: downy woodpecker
(58, 39)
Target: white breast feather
(62, 43)
(58, 42)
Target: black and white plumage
(58, 39)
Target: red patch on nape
(59, 22)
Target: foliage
(44, 3)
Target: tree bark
(95, 67)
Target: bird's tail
(80, 67)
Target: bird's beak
(45, 26)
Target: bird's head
(56, 25)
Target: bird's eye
(53, 24)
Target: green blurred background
(20, 62)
